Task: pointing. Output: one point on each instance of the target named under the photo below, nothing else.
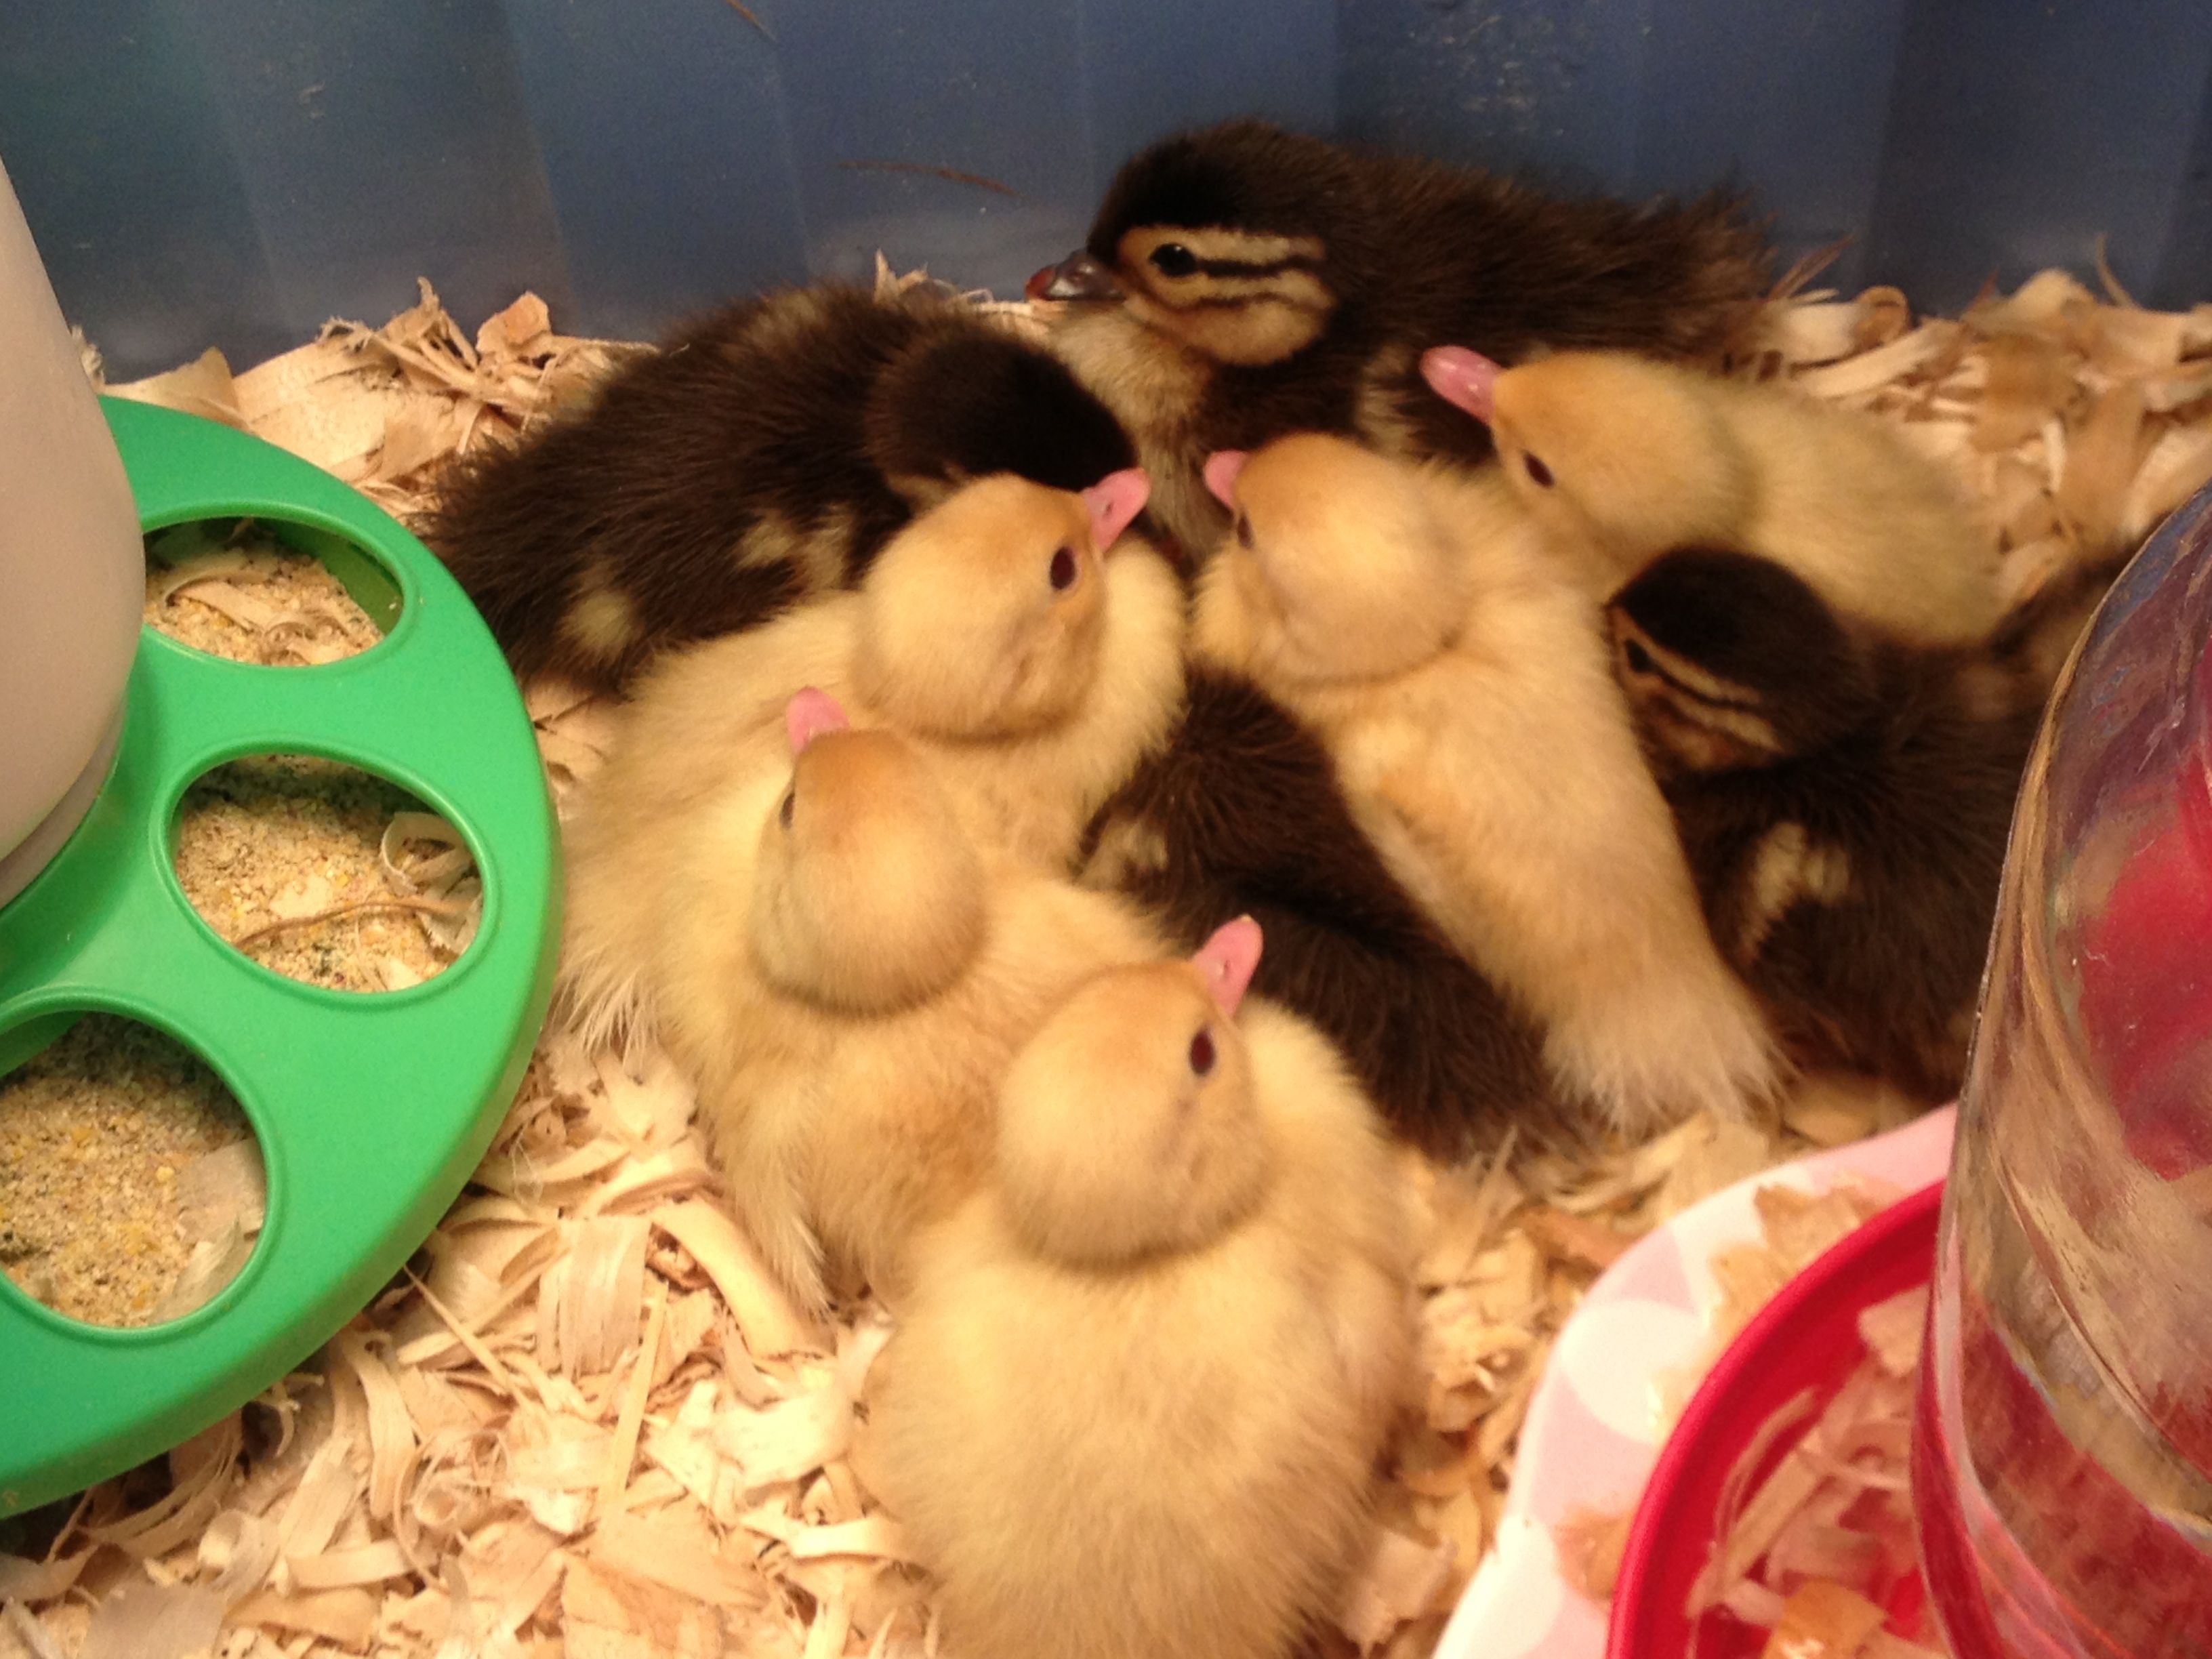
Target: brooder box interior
(234, 175)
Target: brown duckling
(1241, 282)
(1135, 1403)
(763, 456)
(1844, 801)
(1623, 458)
(1460, 680)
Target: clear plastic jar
(2062, 1457)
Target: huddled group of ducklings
(1372, 599)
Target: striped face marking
(1695, 720)
(1241, 296)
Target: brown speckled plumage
(762, 456)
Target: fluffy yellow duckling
(1134, 1404)
(1623, 458)
(847, 978)
(1462, 680)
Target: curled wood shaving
(382, 407)
(772, 1328)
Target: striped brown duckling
(1844, 801)
(1241, 282)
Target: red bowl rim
(1738, 1377)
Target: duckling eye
(1639, 659)
(1201, 1052)
(1063, 569)
(1538, 474)
(1243, 531)
(783, 809)
(1174, 259)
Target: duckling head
(1629, 454)
(1128, 1125)
(985, 616)
(1730, 661)
(1233, 241)
(868, 897)
(966, 402)
(1337, 566)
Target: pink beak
(1221, 469)
(1114, 501)
(809, 713)
(1228, 961)
(1465, 379)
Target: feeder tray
(370, 1110)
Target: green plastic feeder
(371, 1109)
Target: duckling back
(1844, 803)
(1241, 813)
(762, 456)
(887, 1124)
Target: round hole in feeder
(266, 591)
(131, 1184)
(326, 873)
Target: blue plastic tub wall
(233, 172)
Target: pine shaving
(771, 1326)
(347, 1617)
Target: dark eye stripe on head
(1258, 267)
(1190, 265)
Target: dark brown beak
(1079, 277)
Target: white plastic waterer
(72, 569)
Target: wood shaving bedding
(598, 1426)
